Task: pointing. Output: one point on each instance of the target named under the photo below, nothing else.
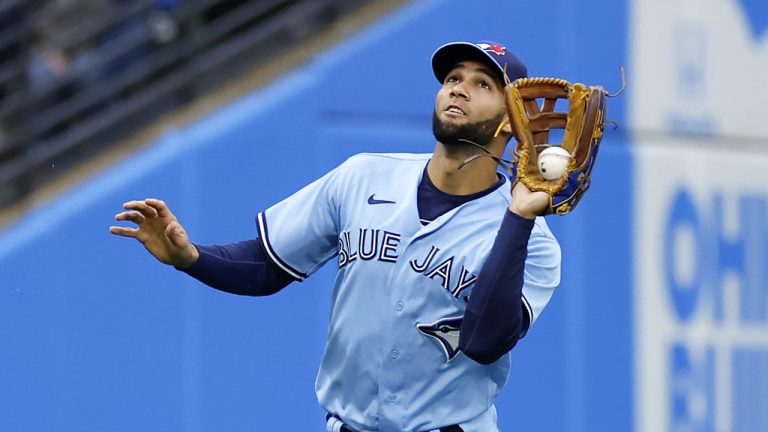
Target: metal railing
(74, 81)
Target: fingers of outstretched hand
(159, 206)
(133, 216)
(124, 231)
(142, 207)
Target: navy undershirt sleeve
(494, 319)
(240, 268)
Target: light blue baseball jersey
(391, 361)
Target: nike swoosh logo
(372, 200)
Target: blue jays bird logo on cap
(494, 48)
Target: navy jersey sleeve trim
(264, 235)
(527, 317)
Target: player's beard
(479, 132)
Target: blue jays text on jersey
(368, 247)
(391, 361)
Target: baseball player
(442, 265)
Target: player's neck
(476, 176)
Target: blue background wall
(96, 335)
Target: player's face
(470, 105)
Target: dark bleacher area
(77, 75)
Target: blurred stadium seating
(77, 75)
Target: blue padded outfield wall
(661, 320)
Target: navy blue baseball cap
(492, 53)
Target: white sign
(699, 66)
(701, 294)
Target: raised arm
(495, 317)
(242, 268)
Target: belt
(334, 424)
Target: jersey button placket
(394, 372)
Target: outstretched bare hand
(158, 230)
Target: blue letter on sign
(692, 390)
(685, 294)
